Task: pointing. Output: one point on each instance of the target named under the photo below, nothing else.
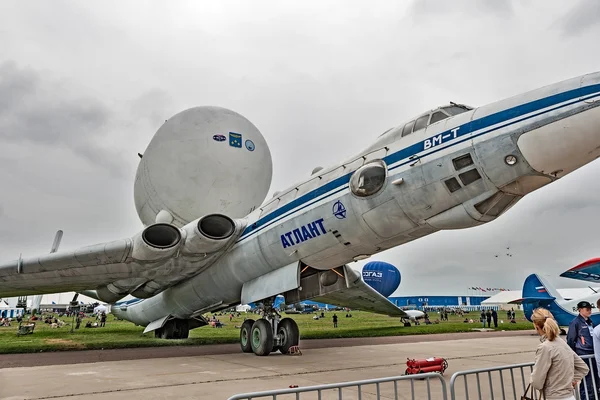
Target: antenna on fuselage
(592, 289)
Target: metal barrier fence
(497, 383)
(486, 382)
(419, 390)
(509, 382)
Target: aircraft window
(437, 117)
(469, 177)
(421, 122)
(495, 205)
(462, 161)
(455, 110)
(368, 179)
(408, 128)
(452, 185)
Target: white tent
(7, 311)
(100, 309)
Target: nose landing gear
(269, 333)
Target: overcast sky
(83, 87)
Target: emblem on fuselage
(250, 145)
(235, 139)
(219, 138)
(339, 210)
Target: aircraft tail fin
(537, 290)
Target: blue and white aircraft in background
(537, 292)
(210, 242)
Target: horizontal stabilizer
(588, 271)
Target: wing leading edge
(588, 271)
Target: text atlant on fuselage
(304, 233)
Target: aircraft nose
(569, 142)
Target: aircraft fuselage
(457, 173)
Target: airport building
(471, 302)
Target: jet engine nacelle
(156, 242)
(203, 160)
(209, 234)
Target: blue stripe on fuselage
(465, 129)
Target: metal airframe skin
(321, 223)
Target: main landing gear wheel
(289, 333)
(262, 337)
(173, 329)
(245, 336)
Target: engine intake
(216, 226)
(161, 236)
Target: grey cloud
(429, 8)
(583, 16)
(152, 106)
(46, 112)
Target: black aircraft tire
(262, 337)
(168, 330)
(246, 336)
(289, 329)
(182, 329)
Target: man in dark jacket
(579, 338)
(495, 318)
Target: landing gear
(270, 333)
(173, 329)
(288, 333)
(262, 337)
(245, 336)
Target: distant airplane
(211, 243)
(537, 292)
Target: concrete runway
(218, 372)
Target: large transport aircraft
(210, 242)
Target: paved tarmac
(220, 371)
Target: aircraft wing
(114, 269)
(85, 268)
(588, 271)
(355, 293)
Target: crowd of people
(55, 321)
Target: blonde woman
(557, 368)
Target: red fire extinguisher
(422, 366)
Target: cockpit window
(437, 116)
(455, 110)
(421, 122)
(368, 179)
(408, 128)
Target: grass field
(121, 334)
